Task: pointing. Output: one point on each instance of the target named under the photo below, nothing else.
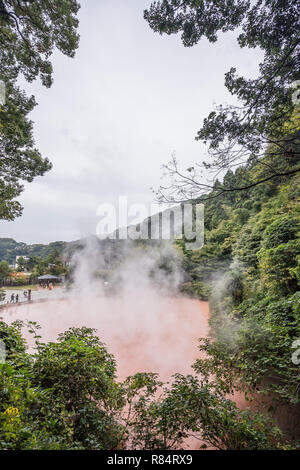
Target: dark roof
(47, 277)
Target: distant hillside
(9, 249)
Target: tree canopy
(235, 134)
(29, 33)
(66, 396)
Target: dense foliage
(66, 395)
(29, 32)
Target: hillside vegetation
(9, 249)
(249, 269)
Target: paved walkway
(36, 295)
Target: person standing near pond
(17, 298)
(29, 295)
(12, 298)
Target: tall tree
(29, 33)
(235, 134)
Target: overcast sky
(115, 114)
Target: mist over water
(144, 323)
